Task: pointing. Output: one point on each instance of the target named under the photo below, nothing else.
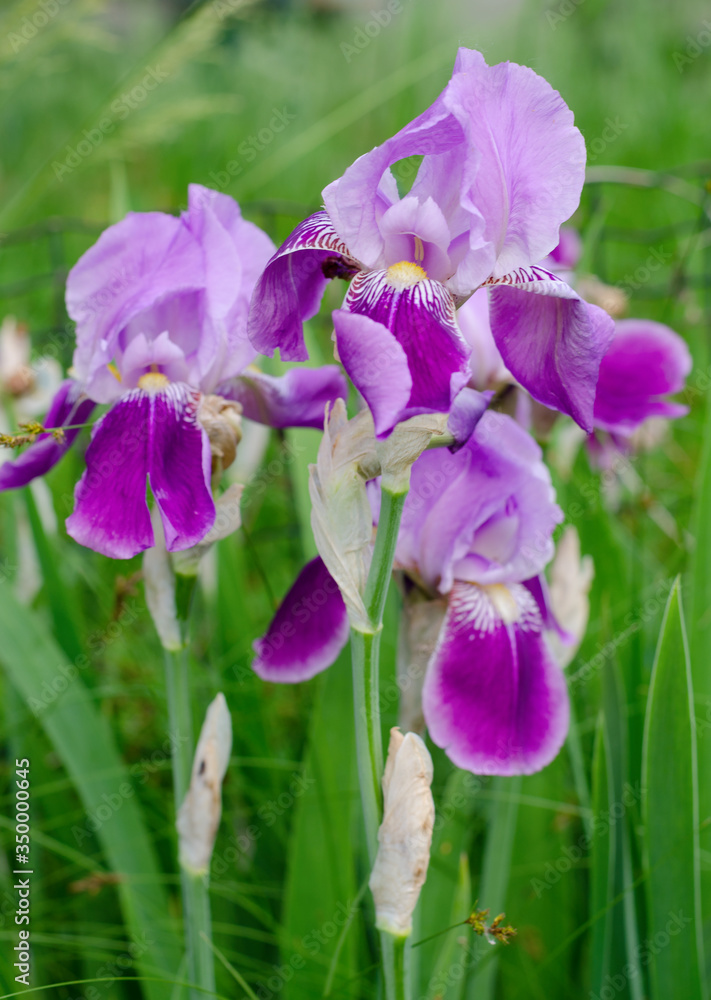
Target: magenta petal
(377, 366)
(646, 361)
(551, 341)
(110, 510)
(296, 399)
(421, 318)
(308, 631)
(145, 437)
(493, 697)
(291, 287)
(68, 407)
(179, 467)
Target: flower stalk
(194, 887)
(365, 651)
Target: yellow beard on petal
(504, 602)
(153, 381)
(404, 274)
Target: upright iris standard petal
(419, 313)
(467, 410)
(308, 631)
(531, 158)
(646, 362)
(551, 340)
(148, 437)
(493, 698)
(291, 288)
(68, 409)
(296, 399)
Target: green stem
(365, 650)
(200, 961)
(394, 962)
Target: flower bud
(571, 577)
(341, 517)
(405, 835)
(199, 815)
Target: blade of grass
(83, 741)
(671, 818)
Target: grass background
(286, 873)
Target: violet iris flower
(476, 533)
(503, 166)
(160, 305)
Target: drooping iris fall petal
(493, 697)
(308, 631)
(147, 438)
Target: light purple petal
(467, 410)
(145, 438)
(485, 514)
(235, 253)
(377, 366)
(69, 407)
(532, 157)
(291, 287)
(551, 340)
(421, 318)
(486, 363)
(356, 199)
(570, 247)
(493, 698)
(646, 362)
(133, 265)
(308, 631)
(296, 399)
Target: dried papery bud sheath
(222, 421)
(405, 835)
(199, 815)
(228, 519)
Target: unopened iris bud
(405, 835)
(571, 577)
(199, 815)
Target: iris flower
(475, 537)
(160, 305)
(502, 167)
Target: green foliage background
(286, 875)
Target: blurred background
(109, 107)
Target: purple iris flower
(502, 167)
(476, 533)
(160, 305)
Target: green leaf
(321, 886)
(671, 818)
(602, 865)
(83, 741)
